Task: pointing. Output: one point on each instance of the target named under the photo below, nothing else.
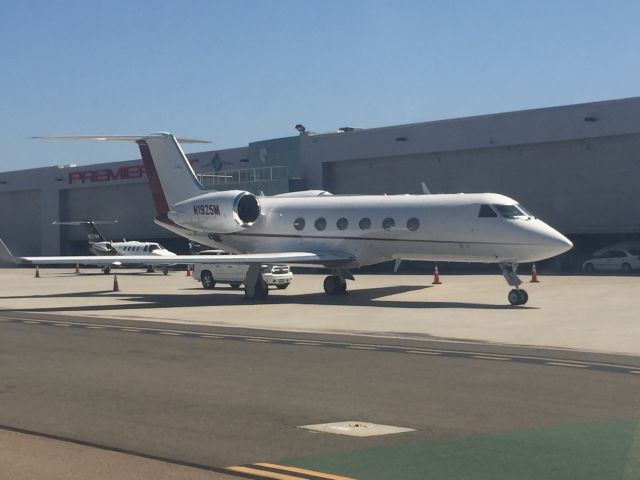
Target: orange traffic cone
(116, 288)
(37, 272)
(436, 276)
(188, 270)
(77, 268)
(534, 274)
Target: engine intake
(217, 212)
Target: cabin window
(365, 223)
(510, 211)
(413, 224)
(299, 223)
(146, 248)
(342, 223)
(320, 223)
(486, 211)
(388, 223)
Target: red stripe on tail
(157, 193)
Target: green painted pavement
(598, 451)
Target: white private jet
(99, 245)
(335, 231)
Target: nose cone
(542, 241)
(555, 242)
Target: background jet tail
(93, 234)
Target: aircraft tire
(333, 285)
(106, 270)
(165, 270)
(149, 269)
(524, 297)
(514, 297)
(260, 292)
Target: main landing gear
(517, 296)
(255, 288)
(336, 284)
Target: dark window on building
(299, 223)
(486, 211)
(321, 223)
(342, 223)
(388, 223)
(365, 223)
(413, 224)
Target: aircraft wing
(260, 258)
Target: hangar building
(576, 167)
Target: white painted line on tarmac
(423, 352)
(310, 344)
(564, 364)
(263, 340)
(61, 324)
(490, 357)
(211, 336)
(31, 322)
(169, 333)
(130, 330)
(360, 347)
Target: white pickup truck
(234, 273)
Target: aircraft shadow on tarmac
(369, 297)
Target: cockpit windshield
(153, 247)
(512, 211)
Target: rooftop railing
(245, 175)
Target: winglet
(5, 254)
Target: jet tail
(93, 234)
(170, 175)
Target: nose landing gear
(517, 296)
(336, 284)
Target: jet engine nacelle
(217, 212)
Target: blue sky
(240, 71)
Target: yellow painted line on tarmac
(490, 357)
(564, 364)
(263, 473)
(360, 347)
(304, 471)
(423, 352)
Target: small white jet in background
(99, 245)
(337, 232)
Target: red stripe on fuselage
(157, 193)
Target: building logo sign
(106, 174)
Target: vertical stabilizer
(170, 175)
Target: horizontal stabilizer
(116, 138)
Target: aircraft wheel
(235, 286)
(333, 285)
(165, 270)
(282, 286)
(207, 280)
(106, 270)
(260, 292)
(149, 269)
(514, 297)
(524, 296)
